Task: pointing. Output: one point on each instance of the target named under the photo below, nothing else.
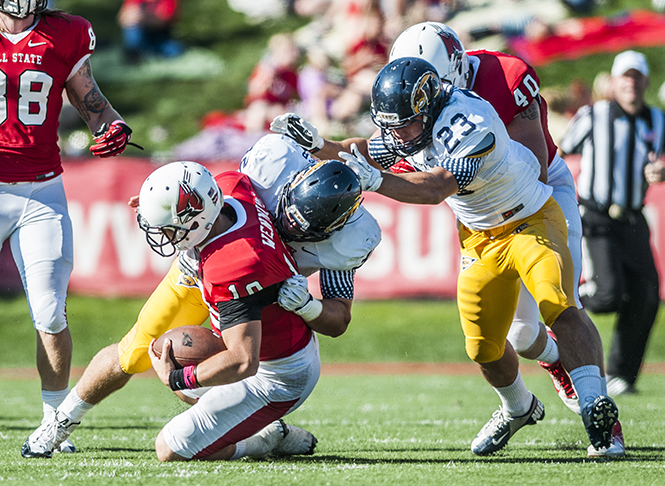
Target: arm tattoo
(93, 101)
(531, 112)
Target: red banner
(418, 255)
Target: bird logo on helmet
(426, 89)
(190, 203)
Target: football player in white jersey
(335, 243)
(287, 177)
(510, 229)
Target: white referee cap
(628, 60)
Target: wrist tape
(311, 310)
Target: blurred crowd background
(202, 80)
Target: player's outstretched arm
(307, 136)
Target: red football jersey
(34, 67)
(247, 258)
(510, 85)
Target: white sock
(51, 400)
(587, 382)
(73, 407)
(551, 352)
(516, 398)
(240, 451)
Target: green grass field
(372, 429)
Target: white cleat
(66, 447)
(48, 436)
(296, 442)
(266, 440)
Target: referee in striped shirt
(621, 141)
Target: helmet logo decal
(190, 203)
(422, 94)
(451, 42)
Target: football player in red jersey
(243, 263)
(44, 52)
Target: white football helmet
(22, 8)
(178, 204)
(437, 43)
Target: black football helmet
(20, 9)
(405, 89)
(318, 202)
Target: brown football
(190, 345)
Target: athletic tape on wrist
(311, 310)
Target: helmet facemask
(20, 9)
(164, 240)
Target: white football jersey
(500, 176)
(270, 164)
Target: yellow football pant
(533, 249)
(176, 302)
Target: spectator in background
(366, 54)
(273, 83)
(621, 141)
(147, 28)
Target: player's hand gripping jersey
(33, 70)
(497, 177)
(248, 258)
(271, 163)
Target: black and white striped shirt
(614, 147)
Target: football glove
(370, 177)
(111, 140)
(189, 262)
(294, 296)
(304, 133)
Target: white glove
(370, 177)
(303, 132)
(188, 262)
(294, 296)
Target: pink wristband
(190, 377)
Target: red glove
(111, 140)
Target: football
(190, 345)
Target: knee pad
(48, 314)
(483, 350)
(523, 334)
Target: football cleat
(617, 446)
(48, 436)
(599, 418)
(266, 439)
(562, 382)
(296, 441)
(502, 426)
(66, 447)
